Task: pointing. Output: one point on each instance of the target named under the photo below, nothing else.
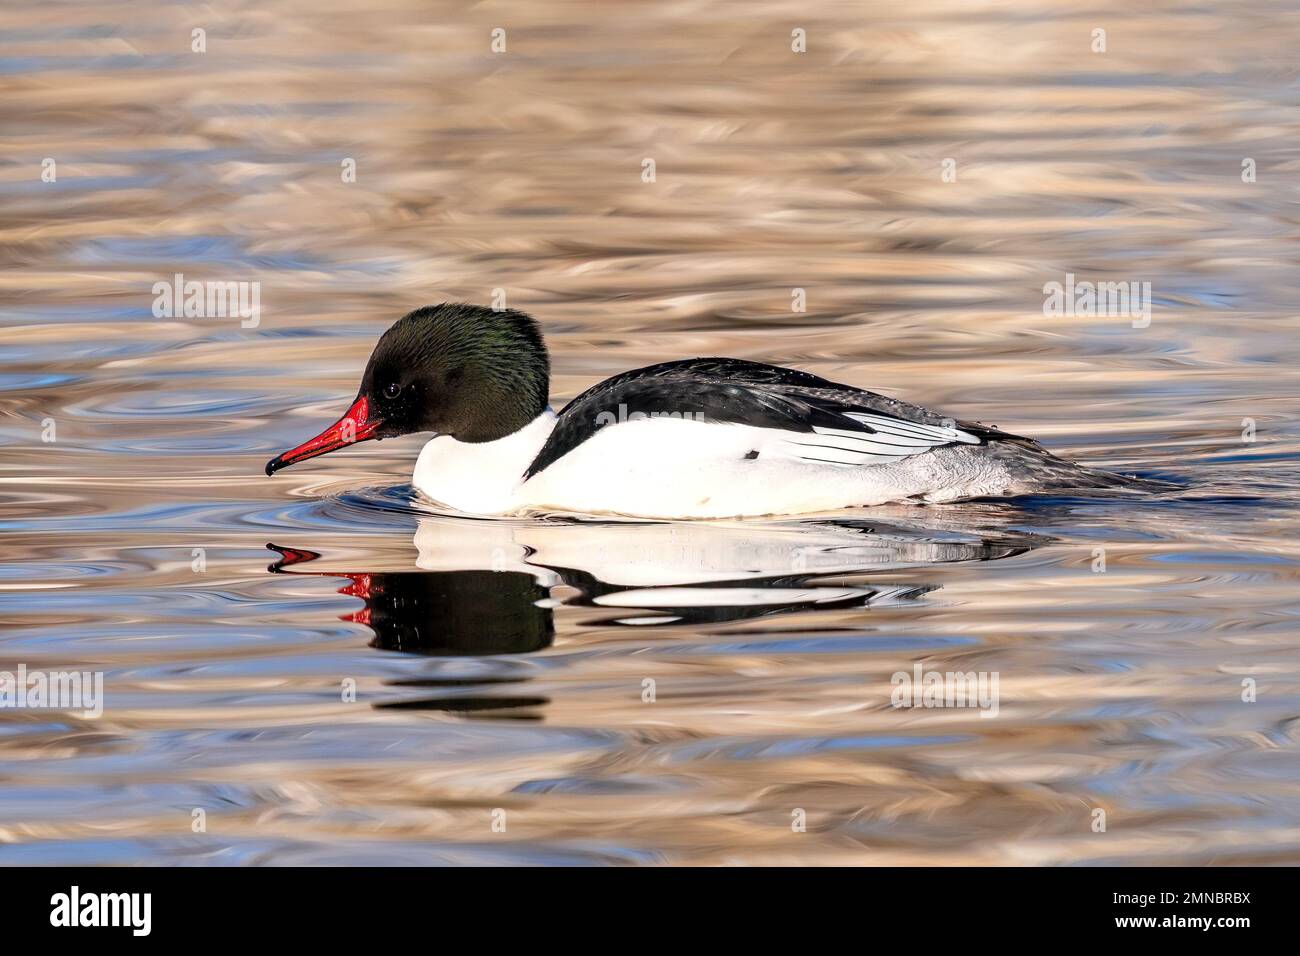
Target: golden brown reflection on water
(136, 538)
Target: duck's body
(721, 438)
(701, 438)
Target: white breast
(480, 478)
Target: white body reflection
(490, 587)
(766, 565)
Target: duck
(698, 438)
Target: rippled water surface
(502, 668)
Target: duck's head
(461, 370)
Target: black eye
(391, 389)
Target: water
(505, 666)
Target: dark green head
(454, 369)
(459, 370)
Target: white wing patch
(890, 440)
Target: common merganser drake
(697, 438)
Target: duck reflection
(484, 587)
(489, 588)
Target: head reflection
(444, 613)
